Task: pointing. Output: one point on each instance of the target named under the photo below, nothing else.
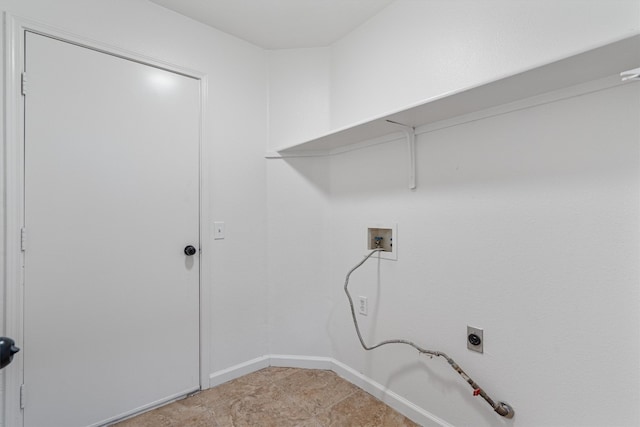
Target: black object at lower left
(7, 350)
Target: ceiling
(280, 24)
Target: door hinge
(24, 84)
(23, 239)
(22, 396)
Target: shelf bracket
(410, 134)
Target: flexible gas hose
(501, 408)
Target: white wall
(525, 224)
(299, 88)
(300, 301)
(236, 129)
(414, 50)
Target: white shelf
(597, 63)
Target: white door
(111, 201)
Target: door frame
(12, 209)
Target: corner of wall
(298, 95)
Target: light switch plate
(218, 230)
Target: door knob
(190, 250)
(7, 350)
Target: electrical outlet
(363, 307)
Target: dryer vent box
(385, 237)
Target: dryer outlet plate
(475, 339)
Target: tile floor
(276, 397)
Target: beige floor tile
(315, 390)
(224, 392)
(243, 386)
(311, 422)
(270, 406)
(148, 419)
(362, 410)
(268, 375)
(174, 415)
(188, 415)
(276, 397)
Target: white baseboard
(394, 400)
(397, 402)
(237, 371)
(304, 362)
